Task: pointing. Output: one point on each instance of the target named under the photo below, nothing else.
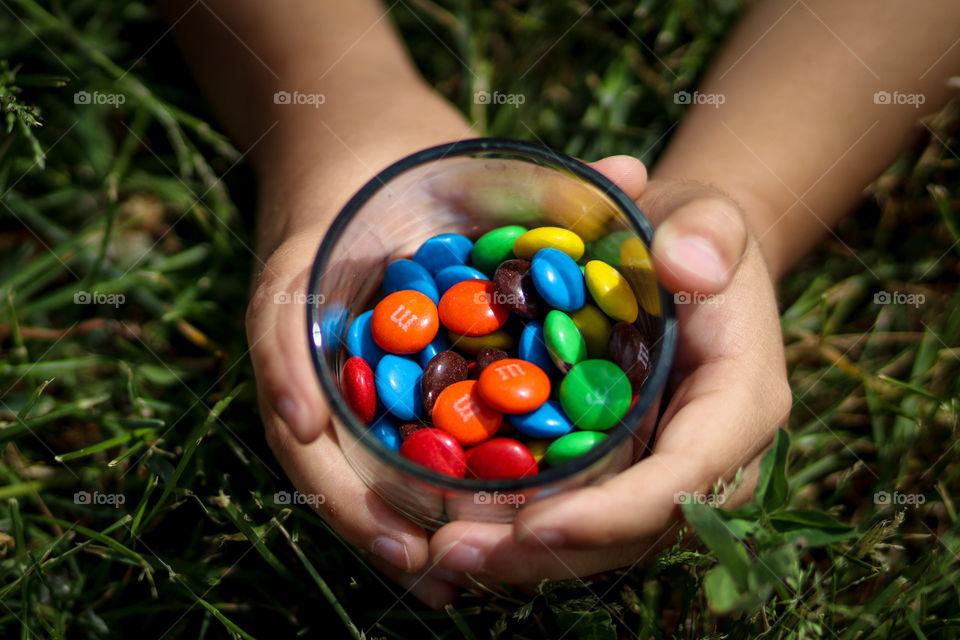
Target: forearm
(799, 135)
(375, 107)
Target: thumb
(700, 241)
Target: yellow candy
(498, 340)
(595, 329)
(636, 265)
(611, 291)
(542, 237)
(538, 448)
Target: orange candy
(404, 322)
(470, 308)
(461, 412)
(514, 386)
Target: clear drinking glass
(471, 187)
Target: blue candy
(549, 421)
(444, 250)
(398, 386)
(449, 276)
(360, 340)
(558, 280)
(438, 344)
(533, 348)
(406, 274)
(385, 430)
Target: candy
(594, 326)
(449, 276)
(516, 289)
(549, 421)
(407, 274)
(637, 267)
(628, 350)
(489, 355)
(446, 368)
(539, 447)
(435, 450)
(461, 412)
(444, 250)
(360, 341)
(469, 308)
(533, 348)
(500, 459)
(527, 245)
(494, 247)
(595, 394)
(359, 389)
(404, 322)
(387, 433)
(334, 327)
(571, 446)
(611, 291)
(472, 345)
(398, 385)
(558, 279)
(563, 339)
(438, 344)
(514, 386)
(608, 247)
(409, 427)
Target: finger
(344, 501)
(701, 237)
(626, 172)
(434, 588)
(277, 335)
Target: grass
(145, 401)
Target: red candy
(436, 450)
(500, 459)
(514, 386)
(404, 322)
(469, 308)
(460, 412)
(358, 389)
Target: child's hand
(730, 393)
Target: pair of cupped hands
(727, 395)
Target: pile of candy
(468, 334)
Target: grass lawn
(136, 489)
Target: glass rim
(664, 346)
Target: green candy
(595, 394)
(572, 445)
(494, 247)
(607, 248)
(564, 340)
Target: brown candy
(446, 368)
(516, 290)
(629, 351)
(408, 428)
(489, 355)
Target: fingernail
(289, 412)
(393, 551)
(461, 557)
(698, 254)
